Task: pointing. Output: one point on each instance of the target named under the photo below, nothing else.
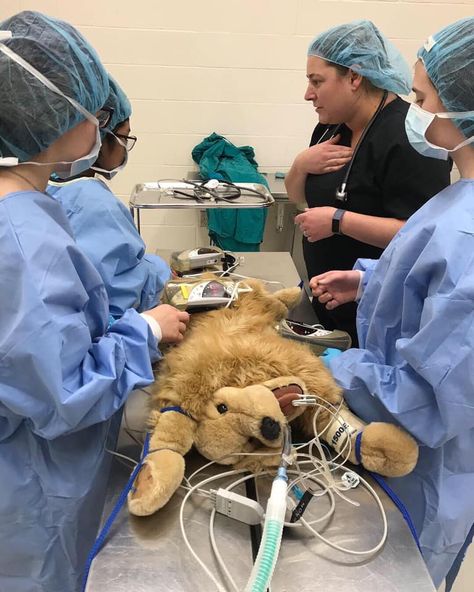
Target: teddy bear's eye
(222, 408)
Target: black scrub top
(389, 178)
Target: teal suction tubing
(267, 556)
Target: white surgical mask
(77, 166)
(111, 174)
(80, 165)
(417, 123)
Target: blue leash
(389, 491)
(115, 511)
(99, 542)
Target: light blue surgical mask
(70, 168)
(417, 123)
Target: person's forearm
(370, 229)
(295, 181)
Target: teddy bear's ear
(288, 296)
(273, 306)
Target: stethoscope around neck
(341, 191)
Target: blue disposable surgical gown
(104, 230)
(62, 378)
(415, 365)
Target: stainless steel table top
(276, 184)
(148, 554)
(162, 194)
(276, 266)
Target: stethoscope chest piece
(341, 193)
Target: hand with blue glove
(328, 354)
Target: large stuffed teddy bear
(228, 388)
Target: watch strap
(336, 221)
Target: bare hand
(334, 288)
(326, 157)
(173, 322)
(316, 223)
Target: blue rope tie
(99, 542)
(357, 447)
(389, 491)
(177, 409)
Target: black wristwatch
(336, 221)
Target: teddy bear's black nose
(270, 428)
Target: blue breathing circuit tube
(267, 556)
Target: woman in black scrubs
(360, 176)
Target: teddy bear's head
(239, 420)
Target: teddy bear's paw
(158, 479)
(388, 450)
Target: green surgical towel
(231, 229)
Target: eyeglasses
(104, 116)
(130, 141)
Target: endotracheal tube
(273, 528)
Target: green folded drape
(231, 229)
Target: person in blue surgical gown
(63, 373)
(102, 225)
(415, 319)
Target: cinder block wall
(235, 67)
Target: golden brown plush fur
(223, 375)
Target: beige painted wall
(236, 67)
